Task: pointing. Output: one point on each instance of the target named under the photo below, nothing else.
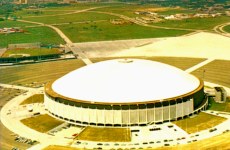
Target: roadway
(219, 29)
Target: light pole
(203, 73)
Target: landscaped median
(106, 134)
(36, 98)
(41, 123)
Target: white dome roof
(125, 81)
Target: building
(125, 92)
(220, 95)
(35, 1)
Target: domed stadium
(125, 92)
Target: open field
(200, 122)
(101, 134)
(218, 71)
(219, 106)
(78, 6)
(130, 9)
(39, 13)
(227, 28)
(78, 17)
(104, 31)
(195, 23)
(41, 123)
(34, 75)
(44, 35)
(36, 98)
(10, 23)
(179, 62)
(31, 52)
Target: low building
(221, 95)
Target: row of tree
(28, 58)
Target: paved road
(219, 29)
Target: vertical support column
(146, 113)
(176, 109)
(169, 112)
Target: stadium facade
(125, 92)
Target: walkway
(189, 70)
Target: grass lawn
(44, 35)
(195, 23)
(41, 12)
(41, 123)
(103, 31)
(200, 122)
(78, 17)
(219, 106)
(10, 23)
(227, 28)
(31, 52)
(179, 62)
(130, 9)
(36, 98)
(37, 74)
(33, 75)
(105, 134)
(56, 147)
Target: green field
(102, 31)
(39, 13)
(31, 52)
(219, 106)
(77, 17)
(195, 23)
(36, 75)
(41, 123)
(9, 23)
(44, 35)
(227, 28)
(130, 9)
(200, 122)
(36, 98)
(105, 134)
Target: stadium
(125, 92)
